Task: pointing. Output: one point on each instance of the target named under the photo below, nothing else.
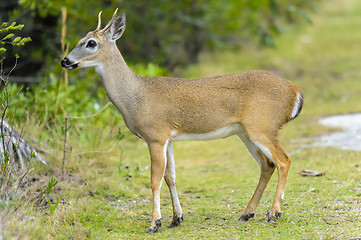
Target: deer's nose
(65, 62)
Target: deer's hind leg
(283, 162)
(272, 149)
(267, 168)
(170, 180)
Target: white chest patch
(99, 69)
(218, 134)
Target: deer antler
(99, 20)
(101, 32)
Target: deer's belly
(217, 134)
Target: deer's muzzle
(66, 63)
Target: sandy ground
(348, 139)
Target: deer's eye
(91, 44)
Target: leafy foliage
(10, 38)
(170, 33)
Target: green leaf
(17, 39)
(42, 191)
(17, 56)
(2, 50)
(10, 35)
(19, 27)
(24, 40)
(54, 206)
(120, 135)
(4, 24)
(51, 184)
(116, 120)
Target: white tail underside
(297, 106)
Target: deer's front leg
(158, 162)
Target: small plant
(45, 192)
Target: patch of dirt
(31, 184)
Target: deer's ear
(117, 28)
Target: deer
(254, 105)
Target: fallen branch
(17, 147)
(310, 173)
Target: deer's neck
(120, 83)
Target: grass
(108, 195)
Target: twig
(16, 94)
(16, 63)
(65, 75)
(21, 178)
(4, 112)
(64, 50)
(65, 140)
(63, 30)
(297, 199)
(93, 115)
(7, 101)
(105, 151)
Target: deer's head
(92, 48)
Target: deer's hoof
(273, 219)
(245, 217)
(158, 224)
(176, 222)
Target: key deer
(161, 110)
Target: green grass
(108, 195)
